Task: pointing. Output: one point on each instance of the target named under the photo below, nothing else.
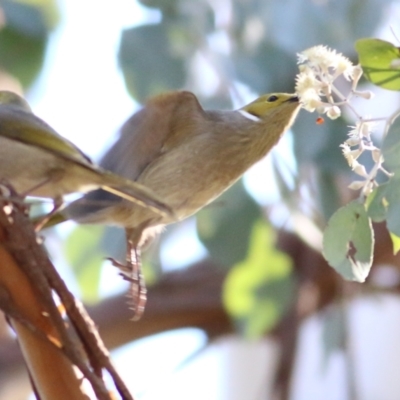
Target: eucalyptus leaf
(148, 63)
(377, 204)
(391, 147)
(266, 68)
(23, 40)
(377, 58)
(348, 242)
(384, 204)
(392, 197)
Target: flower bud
(333, 112)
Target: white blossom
(321, 58)
(357, 73)
(350, 155)
(376, 155)
(356, 185)
(362, 129)
(359, 169)
(333, 112)
(316, 87)
(367, 94)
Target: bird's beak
(293, 99)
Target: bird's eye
(272, 98)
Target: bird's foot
(131, 271)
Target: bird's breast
(191, 176)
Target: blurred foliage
(160, 76)
(85, 251)
(258, 290)
(377, 204)
(24, 32)
(383, 203)
(225, 226)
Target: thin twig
(86, 329)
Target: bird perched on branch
(37, 161)
(188, 156)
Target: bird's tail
(133, 191)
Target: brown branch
(20, 241)
(41, 355)
(86, 330)
(189, 297)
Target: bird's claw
(132, 273)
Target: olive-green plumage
(188, 156)
(37, 161)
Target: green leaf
(24, 37)
(148, 63)
(376, 58)
(395, 242)
(348, 242)
(376, 203)
(391, 147)
(392, 197)
(48, 8)
(225, 226)
(266, 68)
(258, 290)
(384, 204)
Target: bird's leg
(57, 205)
(131, 271)
(138, 291)
(57, 201)
(54, 176)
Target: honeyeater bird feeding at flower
(188, 156)
(37, 161)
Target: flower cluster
(319, 68)
(315, 85)
(360, 137)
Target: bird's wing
(152, 130)
(25, 127)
